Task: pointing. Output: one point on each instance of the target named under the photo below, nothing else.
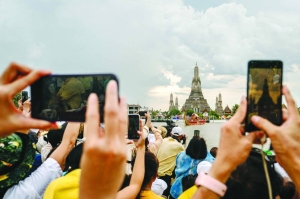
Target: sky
(153, 46)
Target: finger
(25, 81)
(27, 123)
(285, 114)
(111, 111)
(291, 104)
(123, 118)
(13, 71)
(263, 124)
(92, 117)
(250, 139)
(240, 114)
(141, 125)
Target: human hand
(13, 80)
(285, 138)
(26, 108)
(104, 153)
(141, 141)
(234, 147)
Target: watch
(211, 184)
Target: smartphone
(133, 126)
(142, 113)
(264, 86)
(64, 97)
(24, 96)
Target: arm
(104, 153)
(67, 144)
(158, 141)
(138, 172)
(285, 138)
(13, 80)
(233, 150)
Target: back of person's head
(213, 151)
(248, 180)
(197, 148)
(288, 190)
(151, 168)
(55, 135)
(73, 158)
(163, 131)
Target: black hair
(126, 182)
(288, 190)
(213, 151)
(55, 136)
(248, 180)
(33, 136)
(197, 148)
(73, 158)
(151, 168)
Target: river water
(209, 131)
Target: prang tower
(196, 100)
(171, 103)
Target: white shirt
(34, 186)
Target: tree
(154, 113)
(174, 111)
(213, 114)
(299, 110)
(16, 98)
(189, 112)
(234, 108)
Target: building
(227, 110)
(171, 103)
(196, 100)
(133, 108)
(219, 107)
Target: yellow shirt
(64, 187)
(188, 194)
(149, 195)
(167, 156)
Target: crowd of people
(40, 159)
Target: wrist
(221, 170)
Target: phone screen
(64, 97)
(264, 92)
(24, 96)
(133, 126)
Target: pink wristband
(211, 184)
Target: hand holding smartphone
(264, 86)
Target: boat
(194, 120)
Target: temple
(196, 100)
(171, 103)
(219, 107)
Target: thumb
(250, 137)
(264, 125)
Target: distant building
(171, 103)
(227, 111)
(219, 107)
(133, 108)
(196, 100)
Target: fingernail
(254, 118)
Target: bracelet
(211, 184)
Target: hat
(17, 156)
(159, 186)
(204, 166)
(177, 131)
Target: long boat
(193, 121)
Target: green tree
(174, 111)
(214, 114)
(189, 112)
(234, 108)
(299, 110)
(16, 98)
(154, 113)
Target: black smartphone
(264, 86)
(24, 95)
(133, 126)
(142, 113)
(64, 97)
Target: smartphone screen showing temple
(133, 126)
(264, 92)
(64, 97)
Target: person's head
(248, 180)
(151, 168)
(177, 133)
(163, 131)
(73, 159)
(213, 151)
(55, 136)
(288, 190)
(197, 148)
